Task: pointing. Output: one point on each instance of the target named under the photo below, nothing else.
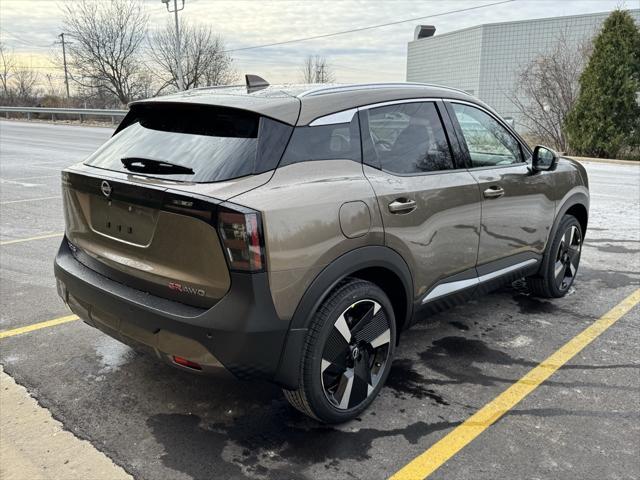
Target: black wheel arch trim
(347, 264)
(578, 198)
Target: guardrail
(81, 113)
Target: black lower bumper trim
(242, 330)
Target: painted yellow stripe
(39, 237)
(38, 326)
(432, 459)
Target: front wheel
(347, 353)
(561, 261)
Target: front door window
(488, 142)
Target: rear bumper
(242, 332)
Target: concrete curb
(35, 446)
(605, 160)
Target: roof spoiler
(255, 83)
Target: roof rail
(362, 86)
(216, 87)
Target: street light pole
(178, 53)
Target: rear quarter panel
(300, 208)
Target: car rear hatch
(135, 210)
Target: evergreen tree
(605, 120)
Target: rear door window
(406, 139)
(324, 142)
(214, 143)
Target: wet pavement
(160, 423)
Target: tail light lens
(241, 235)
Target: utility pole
(64, 59)
(178, 53)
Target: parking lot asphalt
(160, 423)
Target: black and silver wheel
(561, 261)
(347, 354)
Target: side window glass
(324, 142)
(407, 138)
(488, 142)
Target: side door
(430, 205)
(517, 208)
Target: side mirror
(544, 159)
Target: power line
(370, 27)
(29, 43)
(41, 67)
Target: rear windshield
(195, 143)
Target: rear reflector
(186, 363)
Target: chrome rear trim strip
(335, 118)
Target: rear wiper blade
(149, 165)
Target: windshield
(214, 143)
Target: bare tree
(547, 89)
(203, 59)
(106, 42)
(316, 69)
(148, 83)
(308, 71)
(53, 87)
(7, 65)
(25, 81)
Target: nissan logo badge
(106, 188)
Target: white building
(486, 60)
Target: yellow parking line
(39, 237)
(37, 326)
(432, 459)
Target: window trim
(397, 102)
(462, 142)
(344, 116)
(453, 131)
(437, 103)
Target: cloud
(31, 26)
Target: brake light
(240, 232)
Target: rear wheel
(347, 354)
(561, 261)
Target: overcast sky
(30, 27)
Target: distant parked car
(292, 233)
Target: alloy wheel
(355, 354)
(567, 258)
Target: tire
(347, 354)
(561, 261)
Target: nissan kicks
(293, 234)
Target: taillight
(241, 235)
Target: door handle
(402, 205)
(493, 192)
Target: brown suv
(290, 234)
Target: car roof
(300, 104)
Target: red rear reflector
(186, 363)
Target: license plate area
(123, 221)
